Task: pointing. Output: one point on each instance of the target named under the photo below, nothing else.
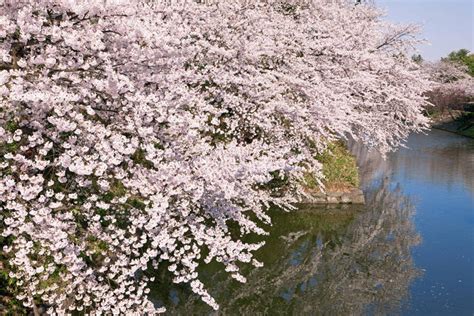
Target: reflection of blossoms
(336, 262)
(137, 133)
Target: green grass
(469, 132)
(339, 169)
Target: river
(408, 251)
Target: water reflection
(437, 171)
(439, 157)
(446, 159)
(321, 261)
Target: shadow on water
(336, 261)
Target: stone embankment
(354, 196)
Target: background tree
(452, 87)
(464, 57)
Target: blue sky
(447, 24)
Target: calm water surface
(409, 251)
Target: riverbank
(341, 184)
(459, 122)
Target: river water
(409, 250)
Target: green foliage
(288, 8)
(96, 245)
(136, 203)
(469, 132)
(53, 278)
(117, 189)
(139, 157)
(417, 58)
(465, 57)
(339, 167)
(310, 181)
(11, 126)
(9, 305)
(467, 124)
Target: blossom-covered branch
(138, 135)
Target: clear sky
(447, 24)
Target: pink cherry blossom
(134, 132)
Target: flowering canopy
(452, 84)
(135, 135)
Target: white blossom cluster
(138, 135)
(451, 82)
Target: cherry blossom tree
(452, 84)
(137, 134)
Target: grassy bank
(339, 169)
